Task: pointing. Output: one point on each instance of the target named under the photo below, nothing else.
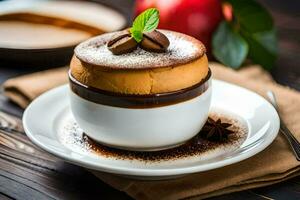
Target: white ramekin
(142, 129)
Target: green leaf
(255, 25)
(228, 46)
(263, 47)
(147, 21)
(137, 35)
(251, 16)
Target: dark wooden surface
(27, 172)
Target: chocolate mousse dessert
(159, 62)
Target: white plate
(46, 116)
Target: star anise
(216, 130)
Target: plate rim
(144, 171)
(10, 7)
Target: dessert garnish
(154, 41)
(143, 33)
(216, 130)
(122, 42)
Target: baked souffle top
(182, 49)
(182, 65)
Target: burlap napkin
(23, 89)
(275, 164)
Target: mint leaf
(137, 35)
(251, 16)
(228, 46)
(147, 21)
(263, 47)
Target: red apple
(198, 18)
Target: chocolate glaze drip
(138, 101)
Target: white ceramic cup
(142, 129)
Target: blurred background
(30, 42)
(36, 35)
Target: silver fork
(295, 145)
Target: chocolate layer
(137, 101)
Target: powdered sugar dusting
(182, 49)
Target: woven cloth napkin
(274, 164)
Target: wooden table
(27, 172)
